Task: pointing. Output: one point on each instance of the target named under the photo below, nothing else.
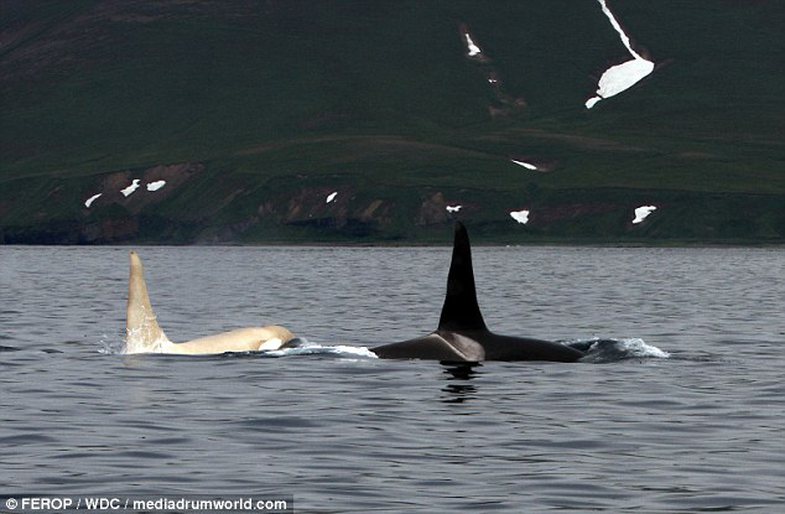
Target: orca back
(460, 311)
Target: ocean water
(680, 406)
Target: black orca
(462, 335)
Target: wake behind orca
(462, 335)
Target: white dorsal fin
(143, 335)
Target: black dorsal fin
(460, 310)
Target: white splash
(520, 216)
(155, 186)
(472, 48)
(614, 350)
(643, 212)
(454, 208)
(110, 346)
(620, 77)
(331, 196)
(639, 348)
(318, 349)
(130, 189)
(359, 351)
(90, 200)
(527, 165)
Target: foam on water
(639, 348)
(108, 346)
(318, 349)
(612, 350)
(597, 350)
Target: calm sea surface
(700, 430)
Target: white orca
(462, 335)
(144, 335)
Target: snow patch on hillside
(155, 186)
(90, 200)
(527, 165)
(520, 216)
(130, 189)
(643, 212)
(620, 77)
(472, 49)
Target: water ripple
(344, 432)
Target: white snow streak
(624, 38)
(90, 200)
(472, 48)
(527, 165)
(620, 77)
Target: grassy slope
(378, 100)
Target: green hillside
(255, 112)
